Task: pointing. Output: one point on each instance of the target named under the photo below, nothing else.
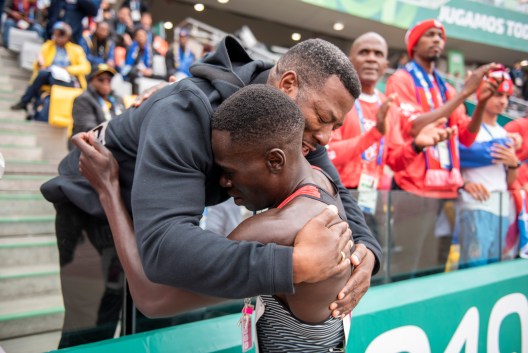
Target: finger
(96, 143)
(328, 217)
(82, 145)
(344, 240)
(359, 254)
(79, 136)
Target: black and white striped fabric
(279, 331)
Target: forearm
(511, 177)
(444, 111)
(400, 156)
(347, 149)
(153, 300)
(476, 121)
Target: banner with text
(467, 20)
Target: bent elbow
(150, 309)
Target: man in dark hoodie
(167, 177)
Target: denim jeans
(44, 77)
(481, 235)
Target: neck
(428, 66)
(300, 172)
(489, 118)
(368, 88)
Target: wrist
(296, 267)
(109, 192)
(517, 165)
(416, 148)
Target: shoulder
(85, 98)
(400, 74)
(76, 48)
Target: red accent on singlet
(307, 190)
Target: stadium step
(12, 205)
(26, 316)
(27, 225)
(29, 282)
(21, 152)
(27, 250)
(30, 167)
(46, 341)
(23, 140)
(30, 290)
(12, 114)
(23, 183)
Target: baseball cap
(414, 34)
(62, 26)
(100, 69)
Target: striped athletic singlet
(278, 330)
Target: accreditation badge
(368, 194)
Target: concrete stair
(30, 290)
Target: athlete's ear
(275, 160)
(289, 84)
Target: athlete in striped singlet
(256, 141)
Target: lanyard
(104, 106)
(487, 130)
(361, 117)
(421, 80)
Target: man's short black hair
(260, 115)
(314, 61)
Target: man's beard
(433, 59)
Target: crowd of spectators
(79, 35)
(416, 138)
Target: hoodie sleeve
(173, 174)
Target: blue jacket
(89, 46)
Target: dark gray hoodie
(167, 176)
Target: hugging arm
(154, 300)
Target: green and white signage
(478, 310)
(463, 19)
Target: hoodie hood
(229, 68)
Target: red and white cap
(413, 34)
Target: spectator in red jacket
(424, 97)
(358, 148)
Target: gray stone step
(28, 251)
(27, 316)
(15, 124)
(37, 343)
(15, 205)
(13, 114)
(8, 95)
(53, 140)
(25, 140)
(22, 153)
(18, 182)
(27, 225)
(29, 282)
(31, 167)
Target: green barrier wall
(476, 310)
(502, 119)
